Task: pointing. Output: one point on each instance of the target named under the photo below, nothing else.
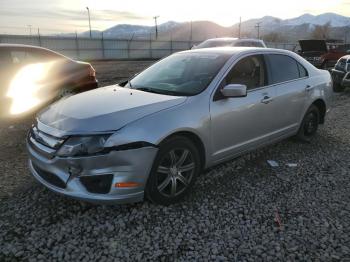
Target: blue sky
(71, 15)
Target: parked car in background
(229, 41)
(32, 76)
(341, 74)
(187, 112)
(322, 54)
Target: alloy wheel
(175, 172)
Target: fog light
(127, 184)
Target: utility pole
(87, 8)
(39, 37)
(191, 35)
(155, 21)
(258, 27)
(30, 29)
(239, 27)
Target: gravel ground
(243, 210)
(109, 72)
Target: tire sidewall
(301, 133)
(151, 191)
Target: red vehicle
(321, 53)
(31, 77)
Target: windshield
(214, 43)
(185, 74)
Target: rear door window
(283, 68)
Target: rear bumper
(66, 175)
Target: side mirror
(234, 90)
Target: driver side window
(249, 71)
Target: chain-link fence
(106, 49)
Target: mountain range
(283, 30)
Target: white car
(230, 41)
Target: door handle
(308, 88)
(266, 100)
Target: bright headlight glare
(25, 87)
(83, 146)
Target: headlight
(83, 146)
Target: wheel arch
(321, 105)
(195, 139)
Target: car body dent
(113, 108)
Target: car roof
(7, 45)
(346, 57)
(233, 39)
(230, 50)
(31, 47)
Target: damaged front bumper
(93, 178)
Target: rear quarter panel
(323, 89)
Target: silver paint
(226, 128)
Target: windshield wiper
(160, 91)
(147, 89)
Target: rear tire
(174, 171)
(309, 125)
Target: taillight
(92, 71)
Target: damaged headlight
(83, 146)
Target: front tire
(309, 125)
(174, 171)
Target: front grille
(49, 177)
(100, 184)
(45, 139)
(40, 149)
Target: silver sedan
(152, 136)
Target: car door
(239, 124)
(292, 85)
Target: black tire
(309, 125)
(166, 171)
(337, 87)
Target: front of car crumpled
(83, 167)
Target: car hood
(313, 45)
(103, 109)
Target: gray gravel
(232, 214)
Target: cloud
(100, 15)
